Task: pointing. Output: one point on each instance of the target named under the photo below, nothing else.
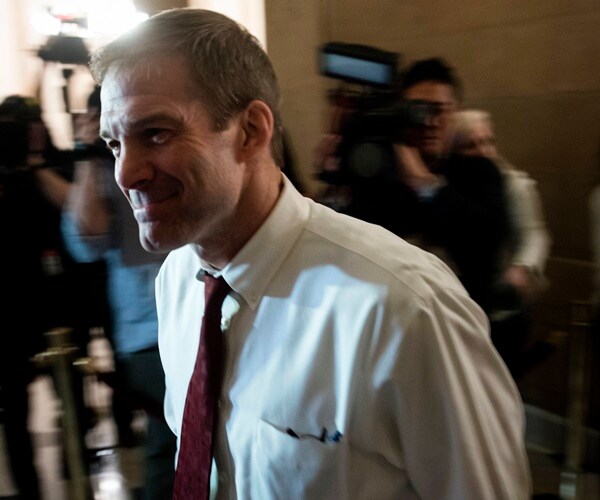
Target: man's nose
(132, 168)
(433, 120)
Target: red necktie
(192, 478)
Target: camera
(373, 118)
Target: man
(356, 365)
(97, 224)
(461, 202)
(530, 245)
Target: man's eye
(157, 135)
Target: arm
(465, 214)
(468, 194)
(459, 414)
(87, 202)
(87, 219)
(53, 186)
(415, 174)
(325, 153)
(534, 242)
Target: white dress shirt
(357, 367)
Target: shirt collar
(251, 270)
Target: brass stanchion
(61, 355)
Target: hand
(520, 277)
(325, 157)
(412, 169)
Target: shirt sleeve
(459, 415)
(534, 242)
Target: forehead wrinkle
(125, 93)
(131, 123)
(141, 74)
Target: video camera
(373, 118)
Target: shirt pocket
(284, 466)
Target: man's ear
(257, 124)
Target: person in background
(530, 245)
(446, 203)
(39, 282)
(98, 224)
(462, 203)
(355, 364)
(527, 249)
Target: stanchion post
(60, 355)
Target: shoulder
(375, 255)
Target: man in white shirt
(357, 366)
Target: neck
(255, 205)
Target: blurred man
(461, 200)
(355, 365)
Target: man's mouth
(142, 199)
(148, 206)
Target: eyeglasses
(434, 107)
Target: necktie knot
(215, 291)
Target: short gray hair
(229, 67)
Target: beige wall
(294, 31)
(532, 63)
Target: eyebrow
(145, 122)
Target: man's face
(480, 141)
(434, 139)
(180, 176)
